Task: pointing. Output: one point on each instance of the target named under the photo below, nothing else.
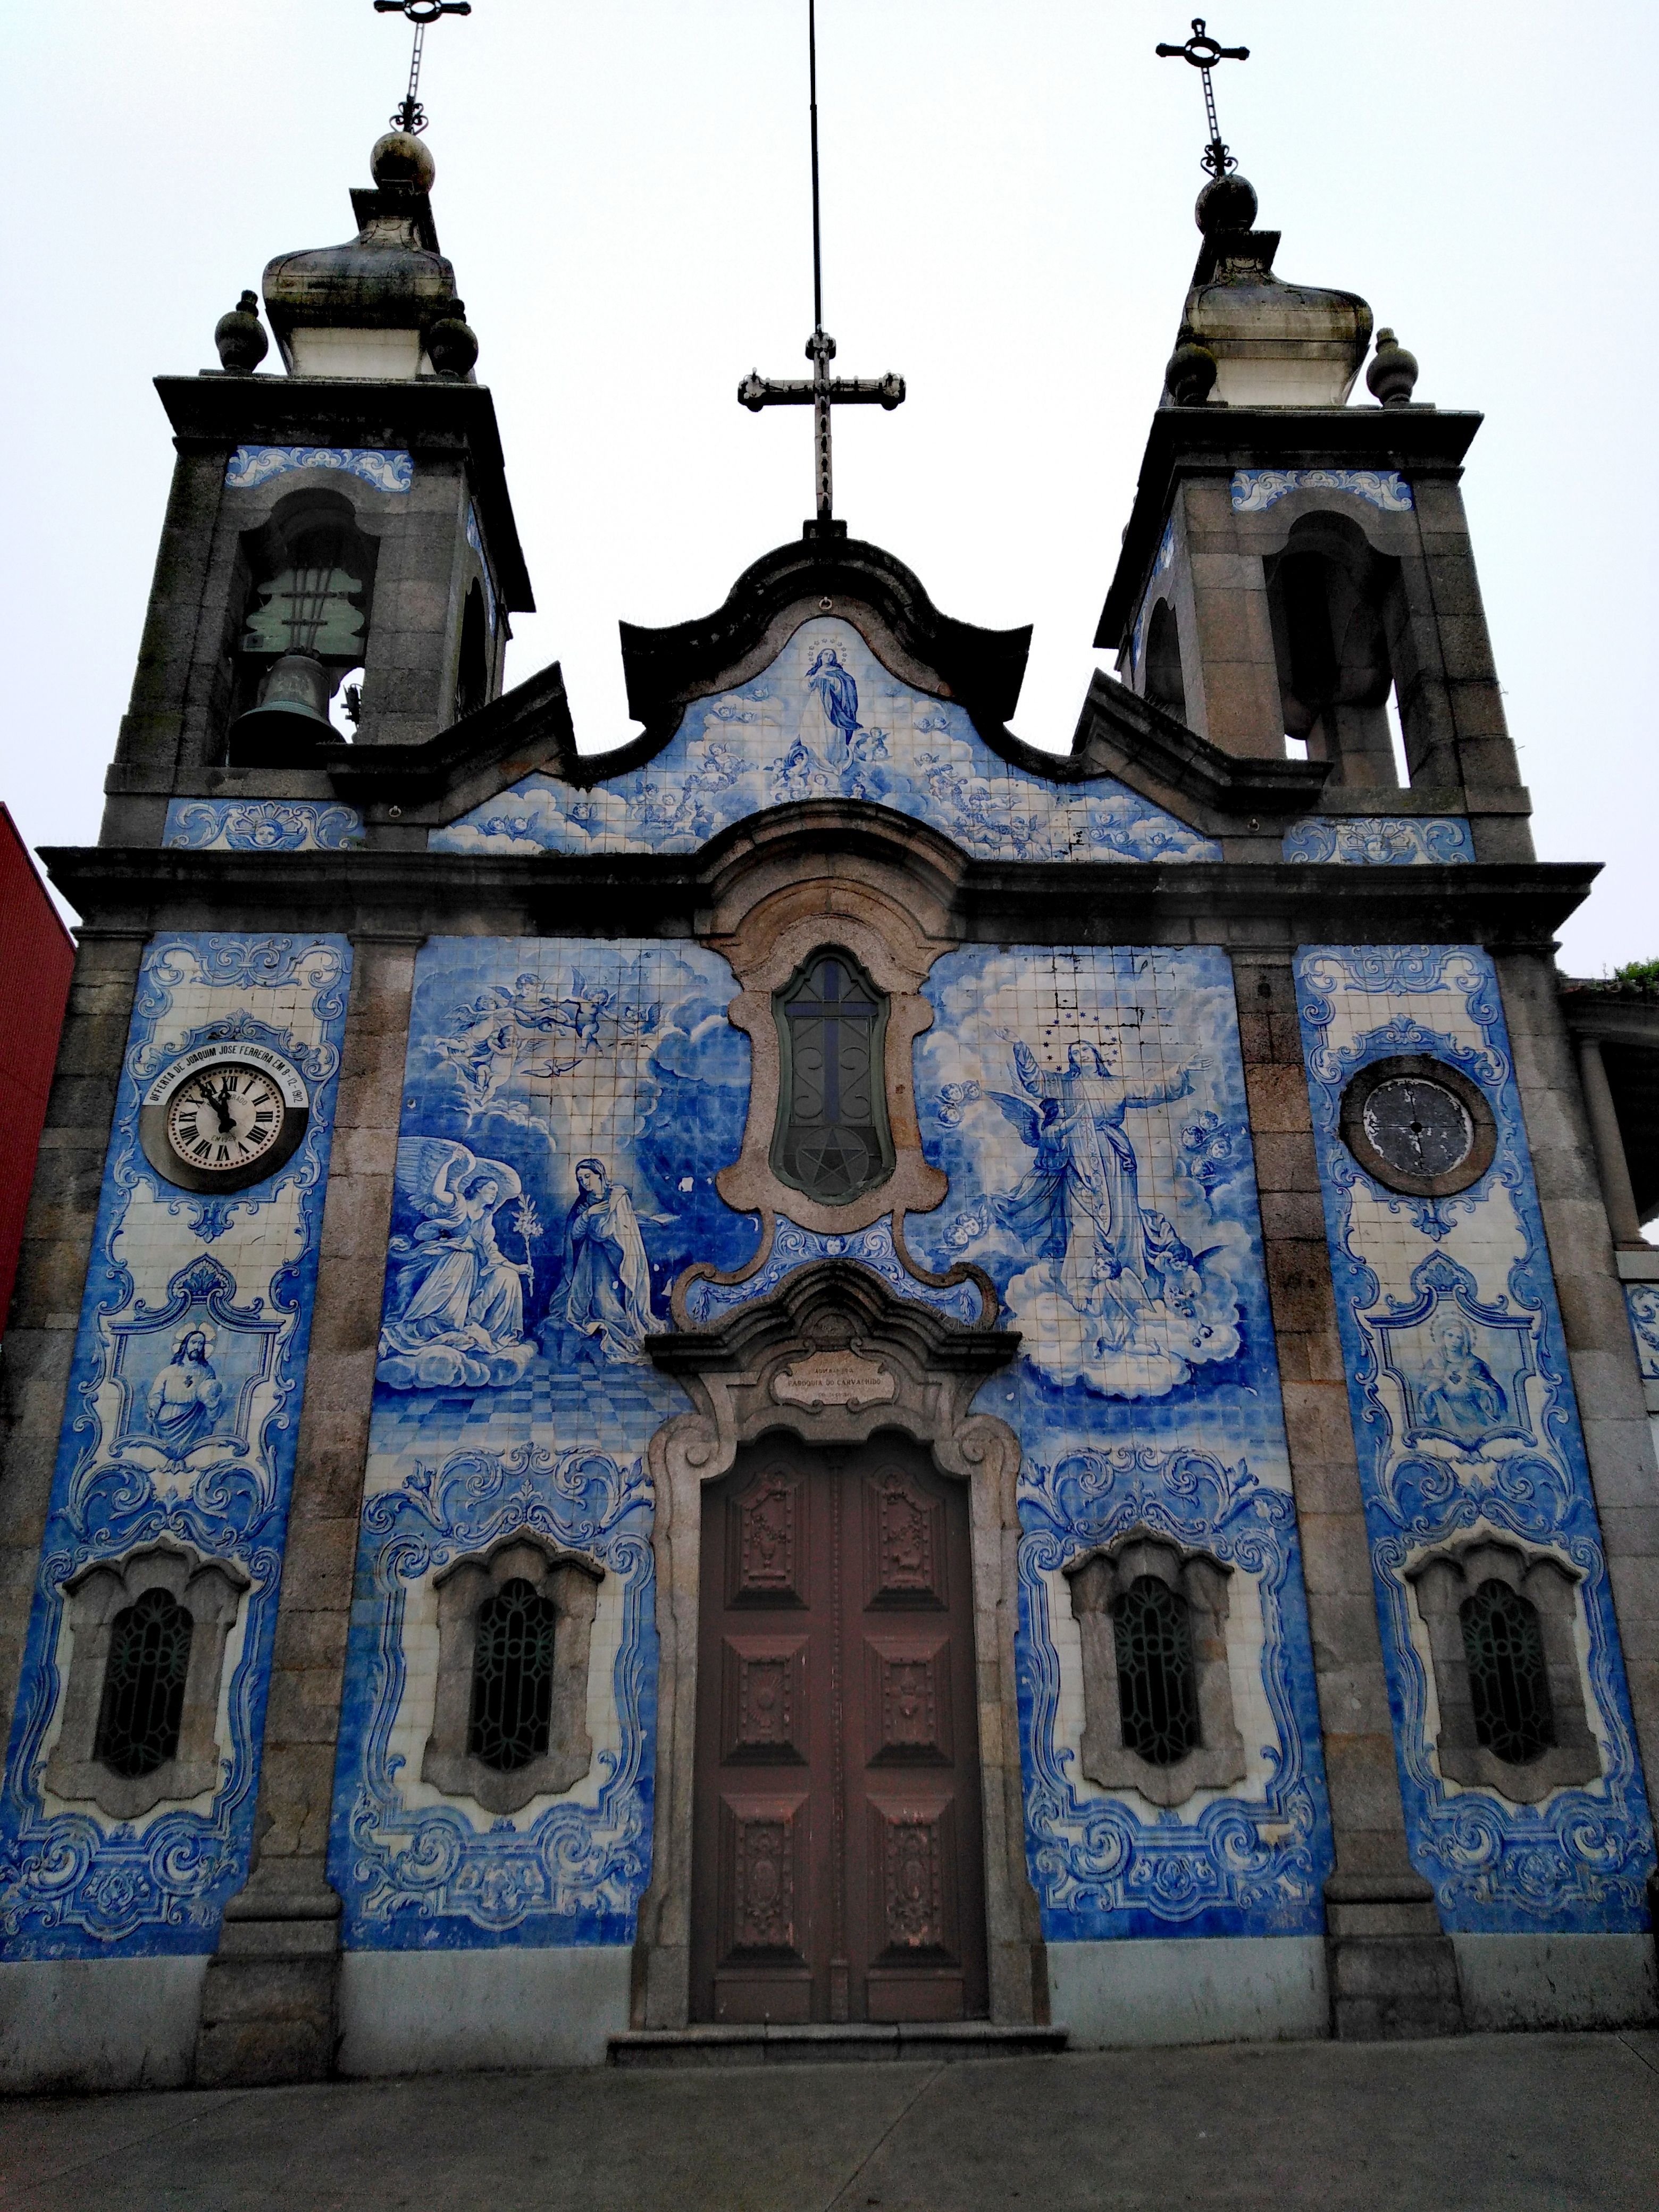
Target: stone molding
(731, 1374)
(1442, 1579)
(571, 1581)
(1098, 1578)
(211, 1591)
(888, 902)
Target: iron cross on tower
(410, 115)
(821, 392)
(1204, 53)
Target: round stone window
(1419, 1126)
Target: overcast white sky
(1008, 222)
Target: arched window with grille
(1156, 1687)
(1158, 1701)
(512, 1678)
(141, 1704)
(1509, 1682)
(143, 1699)
(509, 1722)
(832, 1141)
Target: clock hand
(219, 1100)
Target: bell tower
(339, 560)
(1297, 580)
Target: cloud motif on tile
(826, 720)
(1056, 1180)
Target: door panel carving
(764, 1563)
(908, 1700)
(858, 1892)
(904, 1536)
(764, 1698)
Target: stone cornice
(120, 889)
(1206, 440)
(431, 413)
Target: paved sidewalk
(1549, 2122)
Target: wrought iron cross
(821, 392)
(410, 115)
(1204, 53)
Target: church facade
(828, 1374)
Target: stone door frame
(832, 1357)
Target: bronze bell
(291, 717)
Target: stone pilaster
(1606, 1378)
(1392, 1969)
(268, 2007)
(46, 1308)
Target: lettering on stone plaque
(835, 1378)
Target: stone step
(931, 2041)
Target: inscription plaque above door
(836, 1866)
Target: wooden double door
(837, 1856)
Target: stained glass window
(1156, 1682)
(144, 1697)
(1508, 1688)
(512, 1678)
(832, 1141)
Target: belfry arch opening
(1338, 622)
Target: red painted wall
(37, 957)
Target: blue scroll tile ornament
(261, 825)
(1641, 1299)
(1465, 1419)
(474, 539)
(382, 468)
(826, 720)
(1088, 1108)
(1380, 840)
(568, 1105)
(182, 1417)
(1255, 490)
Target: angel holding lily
(455, 1314)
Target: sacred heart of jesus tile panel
(826, 720)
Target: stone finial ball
(1393, 373)
(401, 160)
(1225, 204)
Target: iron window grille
(1508, 1684)
(512, 1678)
(144, 1698)
(1157, 1694)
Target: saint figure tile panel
(1466, 1426)
(566, 1106)
(182, 1413)
(1089, 1108)
(826, 720)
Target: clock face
(1419, 1126)
(224, 1116)
(224, 1119)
